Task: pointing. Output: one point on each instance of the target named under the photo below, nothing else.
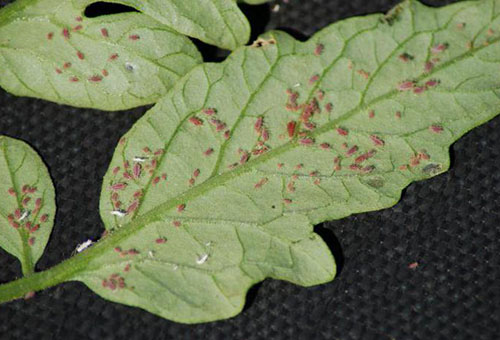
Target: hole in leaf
(101, 8)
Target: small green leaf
(216, 22)
(27, 202)
(219, 185)
(49, 50)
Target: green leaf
(216, 22)
(27, 202)
(218, 186)
(49, 50)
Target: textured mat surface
(450, 225)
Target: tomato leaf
(216, 22)
(27, 202)
(49, 50)
(218, 186)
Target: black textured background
(450, 225)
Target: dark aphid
(80, 55)
(95, 78)
(104, 33)
(134, 37)
(196, 121)
(319, 49)
(371, 114)
(181, 207)
(342, 131)
(405, 57)
(114, 56)
(291, 128)
(50, 35)
(208, 151)
(67, 65)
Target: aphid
(50, 35)
(191, 181)
(265, 135)
(377, 140)
(321, 94)
(414, 160)
(260, 183)
(309, 126)
(208, 151)
(104, 72)
(280, 165)
(244, 157)
(132, 207)
(439, 48)
(364, 74)
(406, 85)
(83, 246)
(95, 78)
(118, 213)
(181, 207)
(38, 203)
(428, 66)
(461, 25)
(436, 128)
(405, 57)
(65, 33)
(431, 83)
(202, 259)
(114, 56)
(44, 218)
(314, 79)
(176, 223)
(306, 141)
(77, 28)
(227, 134)
(134, 37)
(67, 64)
(116, 170)
(195, 121)
(423, 155)
(368, 169)
(258, 125)
(117, 249)
(287, 201)
(156, 180)
(364, 157)
(355, 167)
(290, 186)
(31, 241)
(80, 55)
(161, 240)
(291, 128)
(127, 267)
(398, 114)
(329, 107)
(403, 167)
(137, 170)
(352, 151)
(413, 265)
(74, 79)
(79, 18)
(371, 114)
(26, 201)
(127, 175)
(342, 132)
(104, 32)
(209, 111)
(11, 192)
(118, 186)
(196, 173)
(325, 146)
(418, 89)
(58, 70)
(319, 49)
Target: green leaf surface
(216, 22)
(27, 202)
(219, 185)
(49, 50)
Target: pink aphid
(406, 85)
(127, 267)
(80, 55)
(118, 186)
(137, 170)
(377, 141)
(116, 170)
(306, 141)
(195, 121)
(38, 203)
(209, 111)
(181, 207)
(398, 114)
(325, 146)
(161, 240)
(104, 32)
(196, 173)
(431, 83)
(65, 33)
(34, 228)
(159, 152)
(342, 131)
(208, 151)
(74, 79)
(95, 78)
(156, 180)
(134, 37)
(314, 79)
(11, 192)
(258, 125)
(265, 135)
(291, 128)
(77, 28)
(364, 157)
(244, 157)
(319, 49)
(260, 183)
(67, 64)
(26, 201)
(439, 48)
(352, 151)
(436, 128)
(329, 107)
(428, 66)
(127, 175)
(371, 114)
(44, 218)
(132, 207)
(31, 241)
(419, 89)
(114, 56)
(227, 134)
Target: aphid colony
(66, 67)
(27, 216)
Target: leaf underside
(216, 22)
(49, 50)
(219, 185)
(27, 202)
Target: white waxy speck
(175, 267)
(151, 254)
(140, 159)
(208, 244)
(24, 215)
(296, 85)
(83, 246)
(276, 8)
(118, 213)
(202, 259)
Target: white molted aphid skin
(140, 159)
(118, 213)
(83, 246)
(24, 215)
(202, 259)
